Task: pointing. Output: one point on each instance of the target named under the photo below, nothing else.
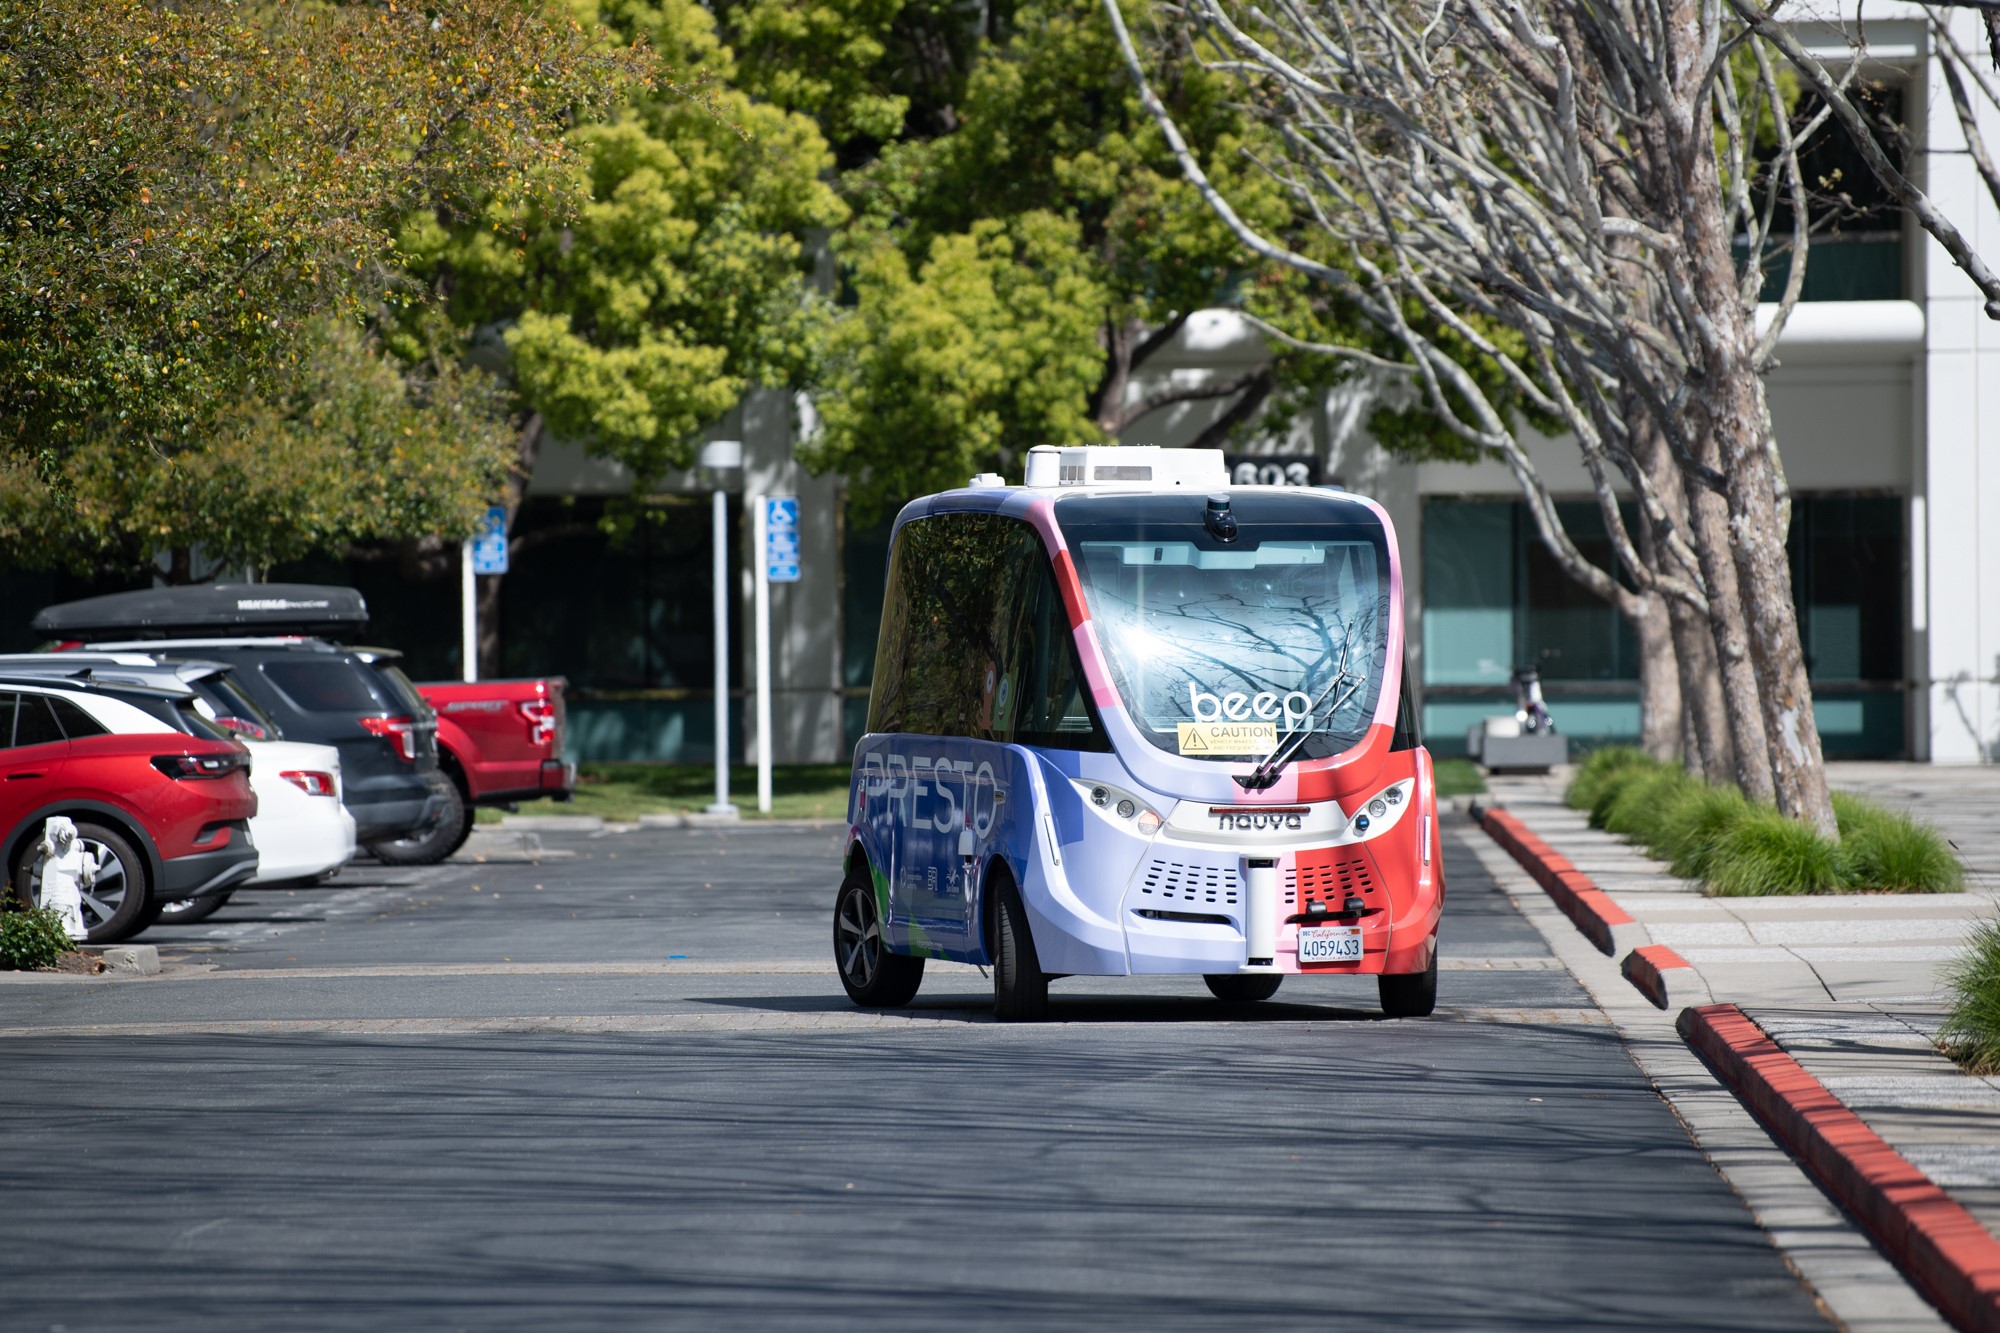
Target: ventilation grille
(1328, 881)
(1179, 882)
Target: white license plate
(1329, 944)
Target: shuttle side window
(975, 641)
(1409, 734)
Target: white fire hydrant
(67, 870)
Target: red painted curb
(1646, 967)
(1586, 905)
(1937, 1244)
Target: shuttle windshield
(1230, 650)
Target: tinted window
(76, 723)
(402, 689)
(975, 641)
(223, 701)
(34, 724)
(317, 685)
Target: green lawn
(1458, 777)
(798, 791)
(626, 791)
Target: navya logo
(1235, 819)
(1237, 706)
(926, 791)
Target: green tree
(352, 443)
(1022, 243)
(682, 280)
(189, 193)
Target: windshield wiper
(1266, 773)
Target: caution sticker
(1227, 737)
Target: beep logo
(1237, 706)
(928, 791)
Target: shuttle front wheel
(1020, 987)
(1412, 994)
(873, 977)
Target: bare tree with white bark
(1574, 193)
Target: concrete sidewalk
(1849, 986)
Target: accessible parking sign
(781, 538)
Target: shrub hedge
(32, 939)
(1972, 1032)
(1736, 848)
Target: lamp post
(719, 459)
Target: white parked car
(301, 829)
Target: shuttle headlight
(1120, 807)
(1380, 812)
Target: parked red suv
(160, 798)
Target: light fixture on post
(721, 463)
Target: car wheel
(1234, 988)
(431, 842)
(189, 910)
(115, 907)
(1020, 987)
(1413, 994)
(873, 977)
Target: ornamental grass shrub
(32, 939)
(1637, 807)
(1598, 769)
(1695, 826)
(1762, 852)
(1972, 1031)
(1738, 848)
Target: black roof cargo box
(246, 608)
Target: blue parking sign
(781, 538)
(489, 544)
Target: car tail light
(243, 726)
(541, 715)
(312, 784)
(402, 729)
(187, 766)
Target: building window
(1855, 251)
(1494, 599)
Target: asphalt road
(625, 1089)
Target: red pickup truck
(500, 741)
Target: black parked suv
(356, 699)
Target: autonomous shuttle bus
(1128, 719)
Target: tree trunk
(1736, 677)
(527, 450)
(180, 567)
(1741, 532)
(1710, 755)
(1659, 679)
(1798, 768)
(1705, 749)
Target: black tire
(1020, 987)
(1412, 994)
(1241, 988)
(189, 910)
(115, 908)
(873, 977)
(429, 843)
